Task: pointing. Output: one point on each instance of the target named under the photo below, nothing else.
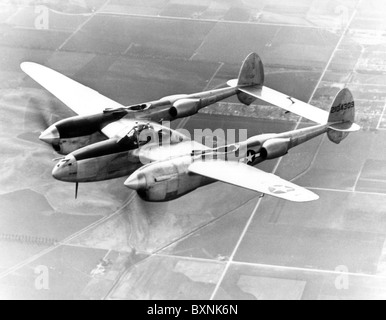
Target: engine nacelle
(165, 180)
(79, 126)
(75, 132)
(275, 148)
(68, 145)
(184, 108)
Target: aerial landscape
(219, 242)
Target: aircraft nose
(136, 182)
(50, 135)
(60, 172)
(66, 169)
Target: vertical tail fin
(342, 117)
(251, 74)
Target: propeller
(76, 190)
(42, 111)
(36, 118)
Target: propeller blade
(35, 117)
(57, 159)
(76, 190)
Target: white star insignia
(249, 158)
(251, 155)
(281, 189)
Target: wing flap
(242, 175)
(288, 103)
(81, 99)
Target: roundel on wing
(280, 189)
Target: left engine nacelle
(275, 148)
(70, 134)
(66, 146)
(184, 108)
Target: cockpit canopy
(138, 136)
(143, 133)
(139, 107)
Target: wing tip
(27, 66)
(307, 197)
(24, 65)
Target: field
(219, 242)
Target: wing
(242, 175)
(81, 99)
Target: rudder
(251, 74)
(342, 116)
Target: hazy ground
(220, 241)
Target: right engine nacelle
(165, 180)
(275, 148)
(184, 108)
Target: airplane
(162, 171)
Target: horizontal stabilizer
(242, 175)
(345, 127)
(285, 102)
